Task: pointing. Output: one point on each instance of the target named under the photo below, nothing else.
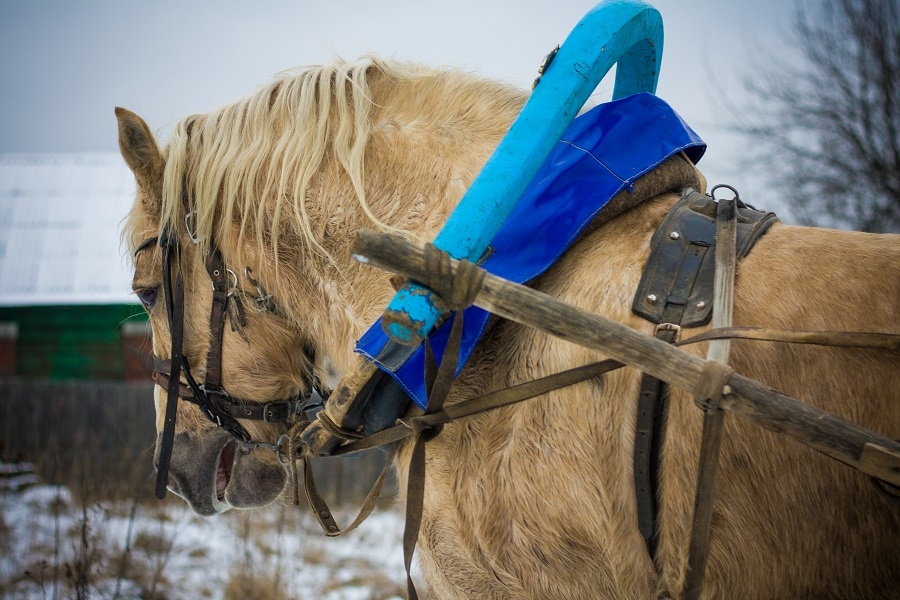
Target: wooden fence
(97, 438)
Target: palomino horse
(534, 500)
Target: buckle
(676, 329)
(213, 391)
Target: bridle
(210, 397)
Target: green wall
(71, 342)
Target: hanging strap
(320, 508)
(713, 417)
(438, 382)
(676, 291)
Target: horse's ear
(140, 151)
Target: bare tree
(830, 128)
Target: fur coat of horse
(534, 500)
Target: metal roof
(60, 217)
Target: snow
(46, 534)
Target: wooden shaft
(340, 402)
(822, 431)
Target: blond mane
(253, 162)
(289, 123)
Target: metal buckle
(668, 327)
(215, 392)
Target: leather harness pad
(677, 289)
(681, 266)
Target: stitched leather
(688, 233)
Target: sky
(64, 65)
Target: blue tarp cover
(603, 151)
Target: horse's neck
(421, 156)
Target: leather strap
(276, 411)
(648, 436)
(175, 313)
(537, 387)
(840, 339)
(715, 377)
(215, 266)
(676, 291)
(438, 382)
(408, 427)
(323, 513)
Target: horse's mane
(253, 161)
(228, 154)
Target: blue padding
(602, 152)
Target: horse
(536, 499)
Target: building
(66, 307)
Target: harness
(676, 291)
(210, 397)
(713, 383)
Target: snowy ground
(51, 546)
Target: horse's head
(263, 356)
(267, 194)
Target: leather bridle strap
(275, 411)
(200, 395)
(174, 297)
(215, 266)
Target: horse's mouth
(214, 474)
(224, 468)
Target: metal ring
(712, 192)
(278, 443)
(234, 278)
(263, 299)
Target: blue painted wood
(627, 32)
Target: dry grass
(77, 546)
(243, 585)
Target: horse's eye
(147, 296)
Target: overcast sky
(65, 65)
